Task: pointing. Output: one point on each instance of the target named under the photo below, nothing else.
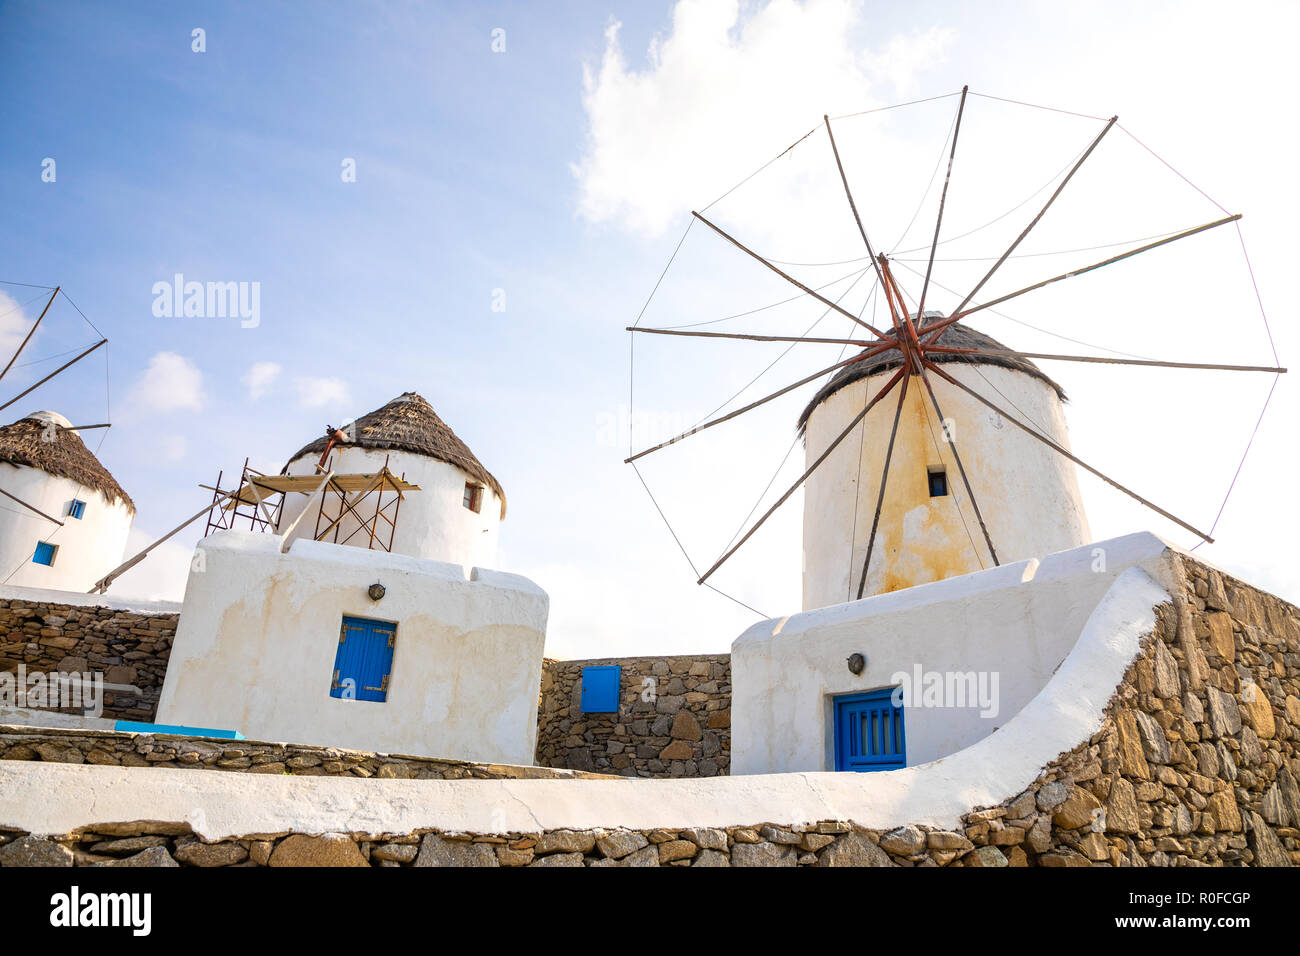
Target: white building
(415, 649)
(295, 647)
(901, 679)
(454, 516)
(64, 520)
(1027, 493)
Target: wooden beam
(1106, 360)
(752, 405)
(52, 374)
(880, 494)
(866, 343)
(1055, 447)
(961, 469)
(30, 507)
(345, 507)
(852, 205)
(30, 332)
(792, 280)
(943, 198)
(932, 332)
(320, 490)
(804, 477)
(1047, 205)
(102, 585)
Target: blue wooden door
(364, 661)
(869, 732)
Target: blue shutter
(77, 509)
(364, 657)
(600, 687)
(869, 732)
(44, 553)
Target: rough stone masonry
(1195, 764)
(129, 648)
(674, 718)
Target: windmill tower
(455, 515)
(1026, 496)
(967, 465)
(64, 519)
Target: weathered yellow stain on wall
(1027, 493)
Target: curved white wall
(50, 798)
(1027, 493)
(432, 523)
(88, 548)
(1006, 629)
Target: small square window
(938, 477)
(76, 509)
(45, 553)
(473, 496)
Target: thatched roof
(409, 423)
(955, 336)
(23, 444)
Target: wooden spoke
(31, 508)
(1051, 357)
(811, 468)
(102, 585)
(852, 205)
(792, 280)
(932, 332)
(52, 374)
(762, 401)
(961, 469)
(1053, 445)
(30, 332)
(1047, 205)
(943, 198)
(865, 343)
(880, 495)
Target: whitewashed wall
(432, 523)
(1019, 621)
(1027, 493)
(88, 548)
(257, 638)
(46, 797)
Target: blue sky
(558, 171)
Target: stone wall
(1194, 763)
(120, 749)
(674, 718)
(128, 647)
(1197, 761)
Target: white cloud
(721, 94)
(259, 378)
(14, 324)
(904, 58)
(319, 392)
(170, 383)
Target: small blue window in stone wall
(77, 509)
(45, 553)
(600, 689)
